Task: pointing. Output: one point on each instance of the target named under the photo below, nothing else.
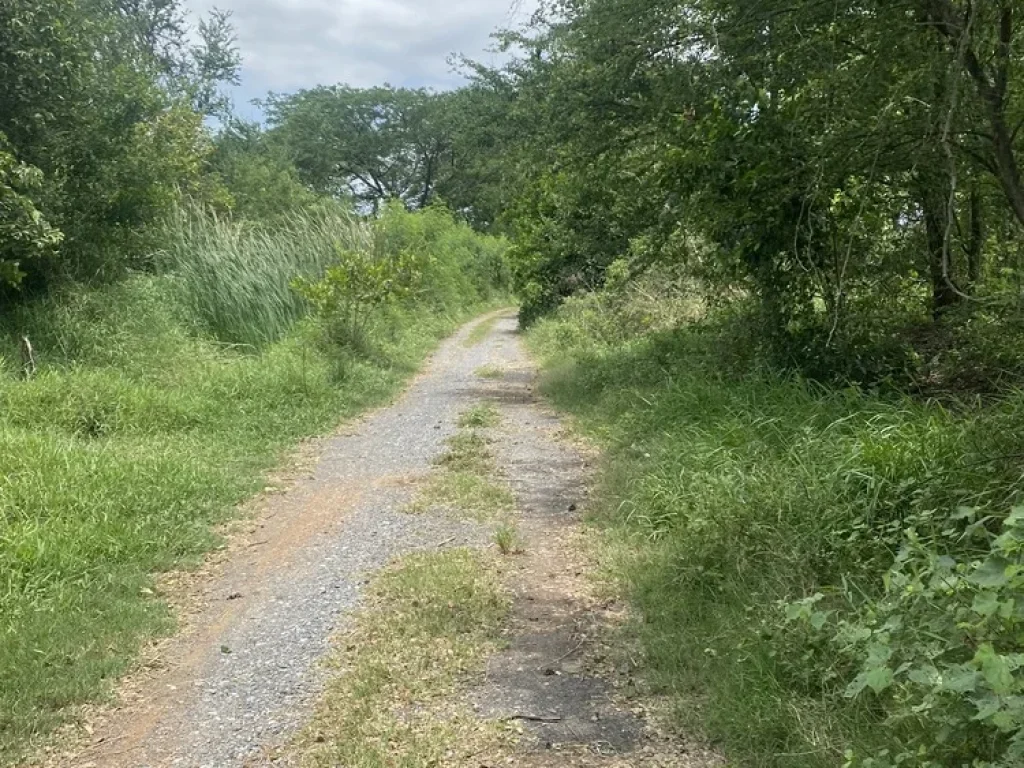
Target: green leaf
(959, 679)
(986, 603)
(1016, 518)
(991, 573)
(879, 679)
(995, 669)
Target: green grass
(467, 481)
(725, 497)
(480, 331)
(490, 371)
(160, 404)
(508, 539)
(482, 415)
(432, 621)
(235, 279)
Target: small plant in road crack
(507, 539)
(483, 415)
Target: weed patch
(483, 415)
(508, 539)
(431, 623)
(466, 480)
(490, 371)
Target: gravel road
(241, 678)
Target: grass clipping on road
(431, 622)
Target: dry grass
(431, 623)
(468, 481)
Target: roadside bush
(425, 262)
(803, 592)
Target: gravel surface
(243, 677)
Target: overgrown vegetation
(785, 238)
(431, 623)
(824, 575)
(158, 405)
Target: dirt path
(243, 675)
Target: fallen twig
(533, 718)
(565, 656)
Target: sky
(291, 44)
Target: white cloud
(292, 44)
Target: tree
(102, 100)
(372, 144)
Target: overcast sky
(292, 44)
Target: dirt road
(243, 674)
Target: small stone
(235, 596)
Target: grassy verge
(755, 521)
(159, 405)
(431, 623)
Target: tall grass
(236, 277)
(143, 429)
(728, 496)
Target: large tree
(101, 107)
(373, 144)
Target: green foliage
(782, 153)
(236, 277)
(259, 180)
(98, 96)
(375, 144)
(143, 429)
(24, 233)
(422, 260)
(940, 647)
(805, 598)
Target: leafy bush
(24, 232)
(940, 648)
(408, 261)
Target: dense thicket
(854, 167)
(101, 127)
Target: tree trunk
(992, 87)
(944, 295)
(1006, 161)
(976, 243)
